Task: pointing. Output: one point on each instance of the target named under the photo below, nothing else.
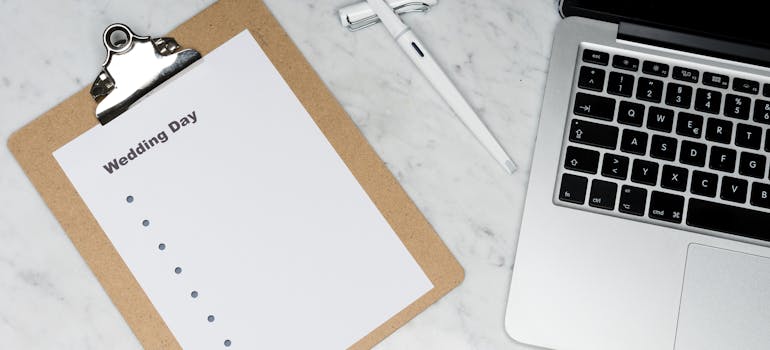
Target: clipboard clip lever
(133, 67)
(359, 16)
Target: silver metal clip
(134, 66)
(359, 16)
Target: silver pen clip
(359, 16)
(134, 66)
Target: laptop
(647, 217)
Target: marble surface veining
(496, 51)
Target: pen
(416, 51)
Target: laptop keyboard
(667, 142)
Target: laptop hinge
(694, 43)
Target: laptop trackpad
(725, 301)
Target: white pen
(416, 51)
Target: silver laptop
(647, 218)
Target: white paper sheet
(271, 230)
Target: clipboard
(34, 144)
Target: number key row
(677, 95)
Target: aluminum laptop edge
(583, 279)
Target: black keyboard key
(737, 106)
(660, 119)
(602, 194)
(580, 159)
(674, 178)
(655, 68)
(644, 172)
(704, 184)
(630, 113)
(762, 111)
(678, 95)
(748, 136)
(752, 164)
(615, 166)
(663, 147)
(716, 80)
(626, 63)
(689, 125)
(632, 200)
(766, 90)
(596, 57)
(593, 134)
(767, 140)
(693, 153)
(719, 130)
(591, 78)
(634, 142)
(666, 207)
(760, 195)
(708, 101)
(594, 106)
(649, 90)
(686, 74)
(573, 188)
(728, 219)
(734, 190)
(620, 84)
(722, 159)
(745, 85)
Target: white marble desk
(496, 51)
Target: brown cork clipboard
(33, 147)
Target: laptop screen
(735, 20)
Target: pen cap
(360, 15)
